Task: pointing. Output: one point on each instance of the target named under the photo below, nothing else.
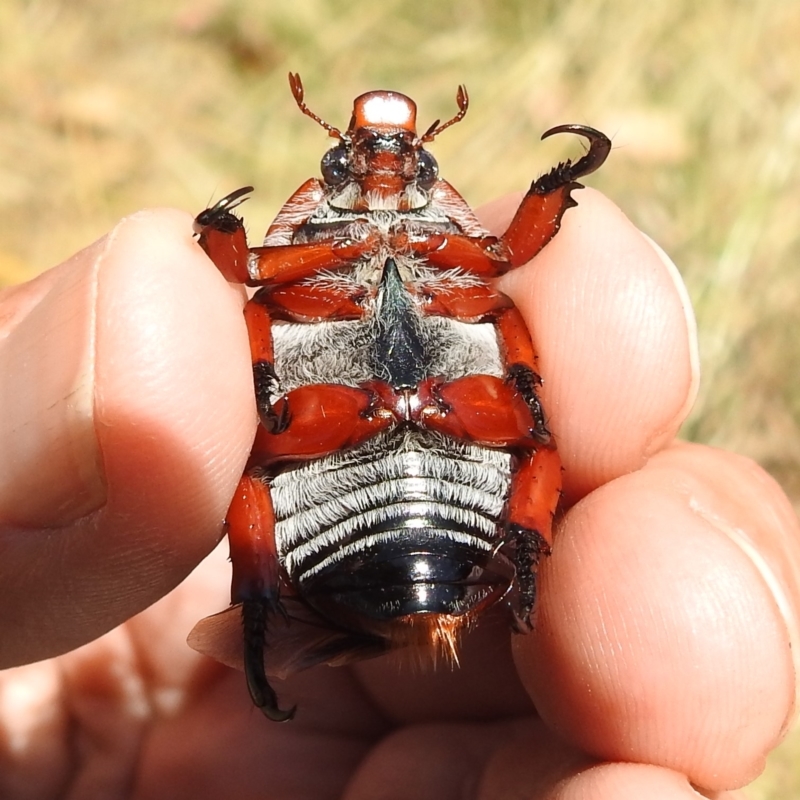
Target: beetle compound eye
(427, 169)
(335, 165)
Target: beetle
(403, 478)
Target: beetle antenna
(462, 98)
(298, 92)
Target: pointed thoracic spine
(399, 353)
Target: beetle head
(380, 161)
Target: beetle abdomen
(405, 524)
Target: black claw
(599, 148)
(567, 173)
(220, 216)
(254, 622)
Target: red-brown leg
(485, 304)
(221, 234)
(535, 491)
(538, 217)
(477, 408)
(534, 496)
(484, 256)
(535, 223)
(259, 330)
(293, 262)
(323, 418)
(256, 583)
(251, 536)
(301, 302)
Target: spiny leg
(222, 235)
(538, 217)
(534, 496)
(520, 358)
(324, 418)
(255, 616)
(256, 583)
(535, 223)
(287, 303)
(482, 303)
(274, 416)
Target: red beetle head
(380, 162)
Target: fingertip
(657, 639)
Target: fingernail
(51, 470)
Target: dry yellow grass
(106, 107)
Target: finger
(616, 341)
(661, 637)
(34, 726)
(131, 418)
(444, 761)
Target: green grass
(106, 107)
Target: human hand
(661, 650)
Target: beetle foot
(274, 416)
(567, 173)
(526, 381)
(255, 614)
(220, 216)
(528, 548)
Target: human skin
(661, 655)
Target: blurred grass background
(109, 106)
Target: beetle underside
(403, 478)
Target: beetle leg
(485, 256)
(300, 302)
(280, 264)
(221, 234)
(520, 359)
(538, 217)
(484, 304)
(483, 409)
(255, 616)
(535, 223)
(250, 524)
(293, 262)
(323, 418)
(259, 330)
(535, 492)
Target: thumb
(126, 415)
